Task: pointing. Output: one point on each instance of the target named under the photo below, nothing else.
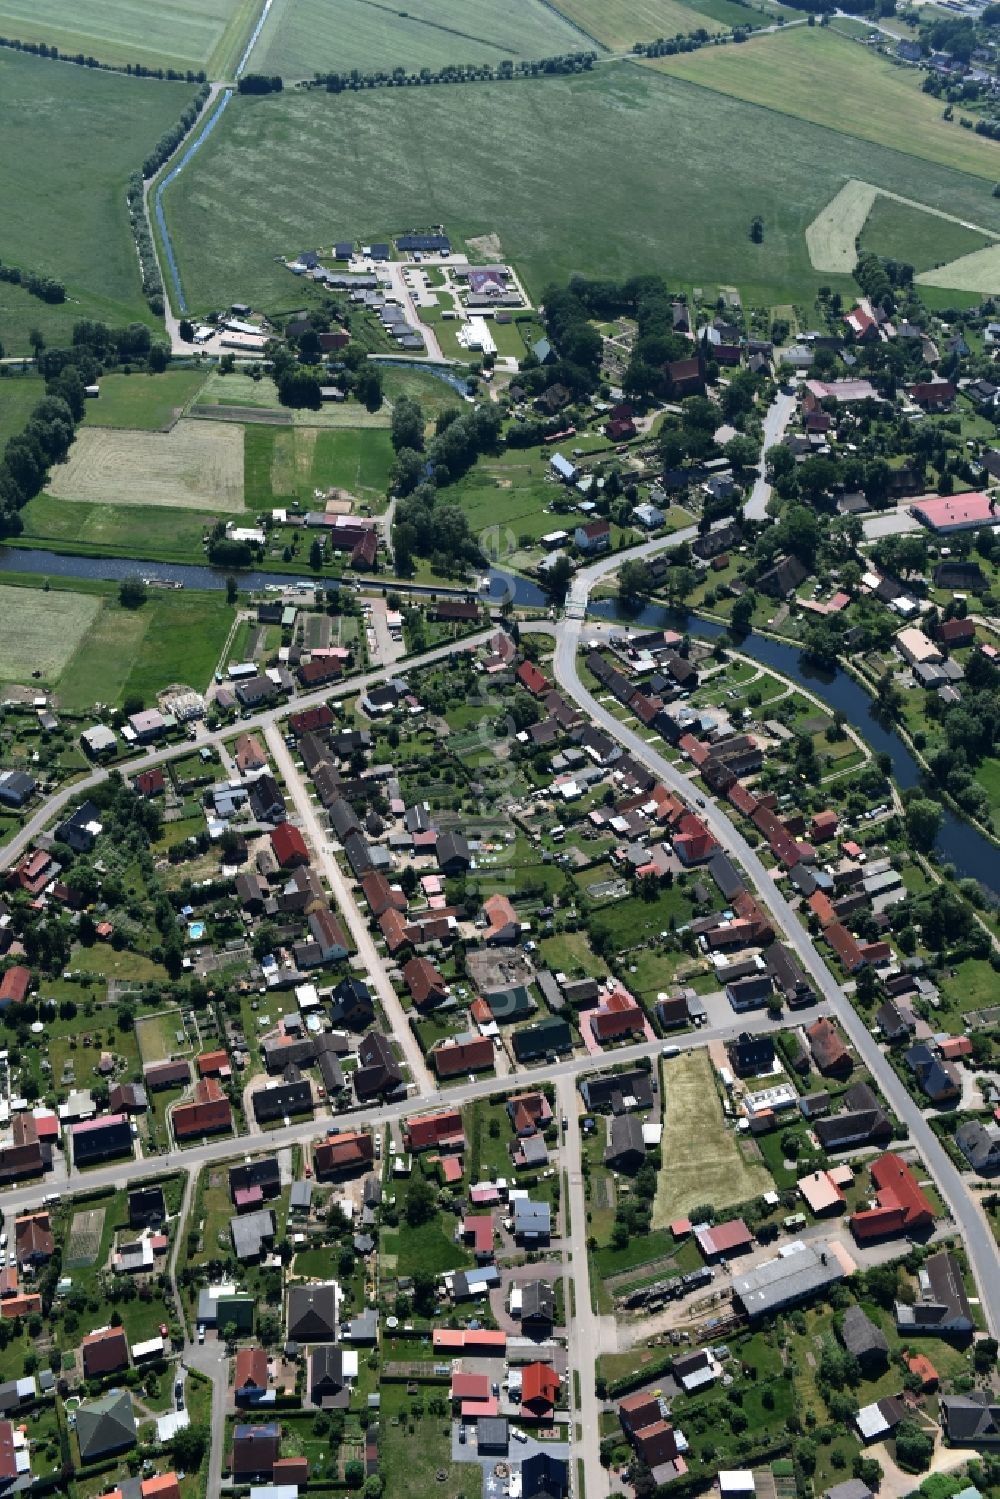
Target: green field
(148, 403)
(21, 313)
(40, 631)
(608, 127)
(924, 241)
(178, 34)
(71, 137)
(160, 532)
(301, 37)
(616, 24)
(90, 649)
(241, 397)
(717, 1172)
(18, 394)
(284, 464)
(808, 72)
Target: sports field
(144, 403)
(284, 464)
(178, 34)
(261, 182)
(71, 136)
(40, 631)
(711, 1170)
(810, 73)
(197, 465)
(301, 37)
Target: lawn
(428, 1247)
(414, 1452)
(149, 403)
(40, 631)
(157, 1036)
(570, 953)
(301, 37)
(608, 126)
(973, 987)
(808, 72)
(18, 395)
(713, 1170)
(197, 465)
(178, 34)
(420, 385)
(71, 137)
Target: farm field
(20, 313)
(197, 465)
(147, 403)
(616, 24)
(40, 631)
(178, 34)
(291, 463)
(717, 1172)
(162, 532)
(978, 272)
(923, 240)
(715, 178)
(808, 73)
(301, 37)
(71, 137)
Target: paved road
(12, 851)
(779, 414)
(29, 1195)
(309, 818)
(582, 1327)
(976, 1231)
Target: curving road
(978, 1236)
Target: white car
(670, 1050)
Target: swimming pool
(196, 930)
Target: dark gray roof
(105, 1426)
(312, 1314)
(861, 1337)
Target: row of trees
(152, 282)
(260, 83)
(85, 60)
(44, 287)
(508, 69)
(171, 139)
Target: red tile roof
(903, 1207)
(289, 845)
(529, 676)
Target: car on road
(670, 1050)
(201, 1332)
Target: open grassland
(166, 533)
(901, 232)
(261, 182)
(20, 313)
(195, 466)
(715, 1170)
(71, 136)
(301, 37)
(40, 631)
(146, 403)
(810, 73)
(178, 34)
(174, 637)
(18, 394)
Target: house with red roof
(477, 1233)
(593, 537)
(311, 720)
(903, 1206)
(380, 895)
(692, 841)
(288, 846)
(539, 1392)
(151, 782)
(426, 985)
(721, 1240)
(619, 1016)
(823, 826)
(208, 1113)
(503, 927)
(14, 985)
(827, 1046)
(35, 870)
(443, 1131)
(104, 1352)
(214, 1064)
(463, 1054)
(957, 631)
(250, 1379)
(742, 798)
(529, 676)
(846, 948)
(340, 1155)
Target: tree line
(689, 41)
(505, 71)
(149, 269)
(171, 139)
(45, 287)
(260, 83)
(85, 60)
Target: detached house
(595, 536)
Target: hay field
(616, 24)
(832, 235)
(197, 465)
(301, 37)
(40, 631)
(178, 34)
(979, 271)
(707, 1166)
(811, 73)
